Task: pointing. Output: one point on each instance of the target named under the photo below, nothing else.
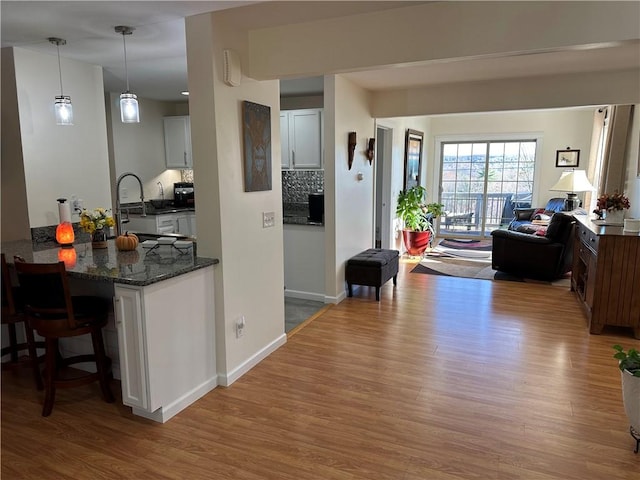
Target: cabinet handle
(185, 158)
(293, 157)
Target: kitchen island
(161, 335)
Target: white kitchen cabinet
(166, 343)
(133, 365)
(186, 224)
(177, 142)
(285, 150)
(301, 137)
(157, 224)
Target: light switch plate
(268, 219)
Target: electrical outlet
(240, 323)
(124, 194)
(268, 219)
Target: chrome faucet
(161, 188)
(119, 220)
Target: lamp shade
(129, 112)
(63, 110)
(573, 181)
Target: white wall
(139, 148)
(348, 230)
(249, 281)
(399, 126)
(632, 187)
(61, 160)
(304, 262)
(432, 31)
(15, 214)
(558, 129)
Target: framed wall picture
(567, 158)
(412, 158)
(256, 140)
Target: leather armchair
(534, 256)
(524, 216)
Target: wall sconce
(370, 149)
(129, 111)
(352, 147)
(64, 231)
(62, 106)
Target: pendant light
(62, 105)
(129, 112)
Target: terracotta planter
(631, 398)
(416, 242)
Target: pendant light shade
(62, 106)
(129, 111)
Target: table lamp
(572, 181)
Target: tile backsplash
(298, 184)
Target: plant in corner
(629, 364)
(417, 217)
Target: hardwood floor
(444, 378)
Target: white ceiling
(156, 52)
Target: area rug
(476, 268)
(463, 248)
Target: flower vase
(99, 239)
(615, 217)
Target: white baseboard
(227, 379)
(335, 300)
(166, 412)
(316, 297)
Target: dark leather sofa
(524, 216)
(534, 256)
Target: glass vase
(99, 239)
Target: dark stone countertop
(139, 267)
(299, 220)
(297, 213)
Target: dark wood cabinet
(606, 275)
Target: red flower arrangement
(612, 201)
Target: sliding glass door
(482, 182)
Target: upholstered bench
(373, 268)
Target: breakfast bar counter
(137, 267)
(161, 333)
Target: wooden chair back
(47, 297)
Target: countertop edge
(206, 262)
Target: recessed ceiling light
(185, 93)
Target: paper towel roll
(64, 210)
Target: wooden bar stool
(12, 316)
(54, 313)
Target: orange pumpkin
(126, 242)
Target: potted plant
(417, 217)
(611, 206)
(629, 364)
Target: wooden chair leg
(102, 363)
(33, 356)
(50, 375)
(13, 342)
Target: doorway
(383, 236)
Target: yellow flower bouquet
(96, 219)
